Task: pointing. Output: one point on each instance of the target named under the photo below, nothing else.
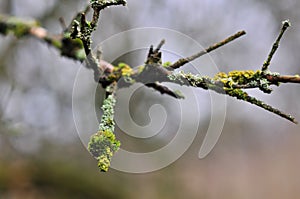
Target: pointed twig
(285, 25)
(162, 42)
(186, 60)
(242, 95)
(154, 56)
(63, 23)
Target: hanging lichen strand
(104, 144)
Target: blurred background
(43, 156)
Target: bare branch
(99, 5)
(285, 25)
(186, 60)
(283, 79)
(162, 42)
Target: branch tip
(162, 42)
(285, 25)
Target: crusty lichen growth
(123, 69)
(232, 84)
(167, 64)
(104, 144)
(238, 77)
(242, 95)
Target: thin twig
(164, 90)
(98, 6)
(245, 97)
(186, 60)
(63, 23)
(162, 42)
(285, 25)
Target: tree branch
(274, 79)
(23, 28)
(76, 43)
(186, 60)
(285, 25)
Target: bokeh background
(42, 155)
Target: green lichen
(122, 70)
(104, 144)
(125, 69)
(238, 77)
(238, 93)
(167, 64)
(141, 69)
(107, 120)
(179, 94)
(232, 84)
(194, 80)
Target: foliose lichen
(104, 144)
(167, 64)
(238, 77)
(122, 70)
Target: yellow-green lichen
(237, 77)
(122, 70)
(167, 64)
(103, 163)
(104, 144)
(238, 93)
(125, 69)
(141, 69)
